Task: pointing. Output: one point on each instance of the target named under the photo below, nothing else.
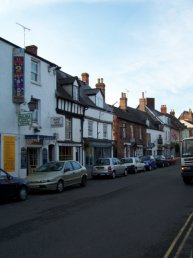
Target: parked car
(56, 175)
(12, 187)
(171, 160)
(149, 161)
(161, 161)
(133, 164)
(108, 167)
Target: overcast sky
(134, 45)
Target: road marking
(178, 236)
(183, 242)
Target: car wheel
(113, 175)
(83, 181)
(60, 186)
(187, 180)
(23, 193)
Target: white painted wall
(101, 117)
(45, 92)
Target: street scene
(96, 129)
(139, 216)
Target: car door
(139, 164)
(7, 185)
(68, 176)
(119, 167)
(77, 172)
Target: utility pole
(24, 29)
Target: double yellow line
(167, 254)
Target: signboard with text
(25, 119)
(56, 121)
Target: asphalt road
(128, 217)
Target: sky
(136, 46)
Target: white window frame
(68, 128)
(105, 131)
(124, 131)
(35, 71)
(90, 128)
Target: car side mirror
(9, 177)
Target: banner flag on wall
(18, 75)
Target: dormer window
(99, 101)
(75, 93)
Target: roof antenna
(127, 92)
(24, 29)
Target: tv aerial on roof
(24, 29)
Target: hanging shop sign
(18, 75)
(25, 119)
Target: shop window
(65, 153)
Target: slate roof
(135, 116)
(173, 122)
(85, 91)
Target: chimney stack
(32, 49)
(100, 85)
(123, 101)
(172, 112)
(85, 78)
(163, 109)
(142, 102)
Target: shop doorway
(33, 155)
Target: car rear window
(102, 162)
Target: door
(33, 159)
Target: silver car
(56, 175)
(108, 167)
(133, 164)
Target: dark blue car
(12, 187)
(149, 161)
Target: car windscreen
(54, 166)
(126, 160)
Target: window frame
(35, 73)
(90, 128)
(68, 128)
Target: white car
(133, 164)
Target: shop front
(39, 150)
